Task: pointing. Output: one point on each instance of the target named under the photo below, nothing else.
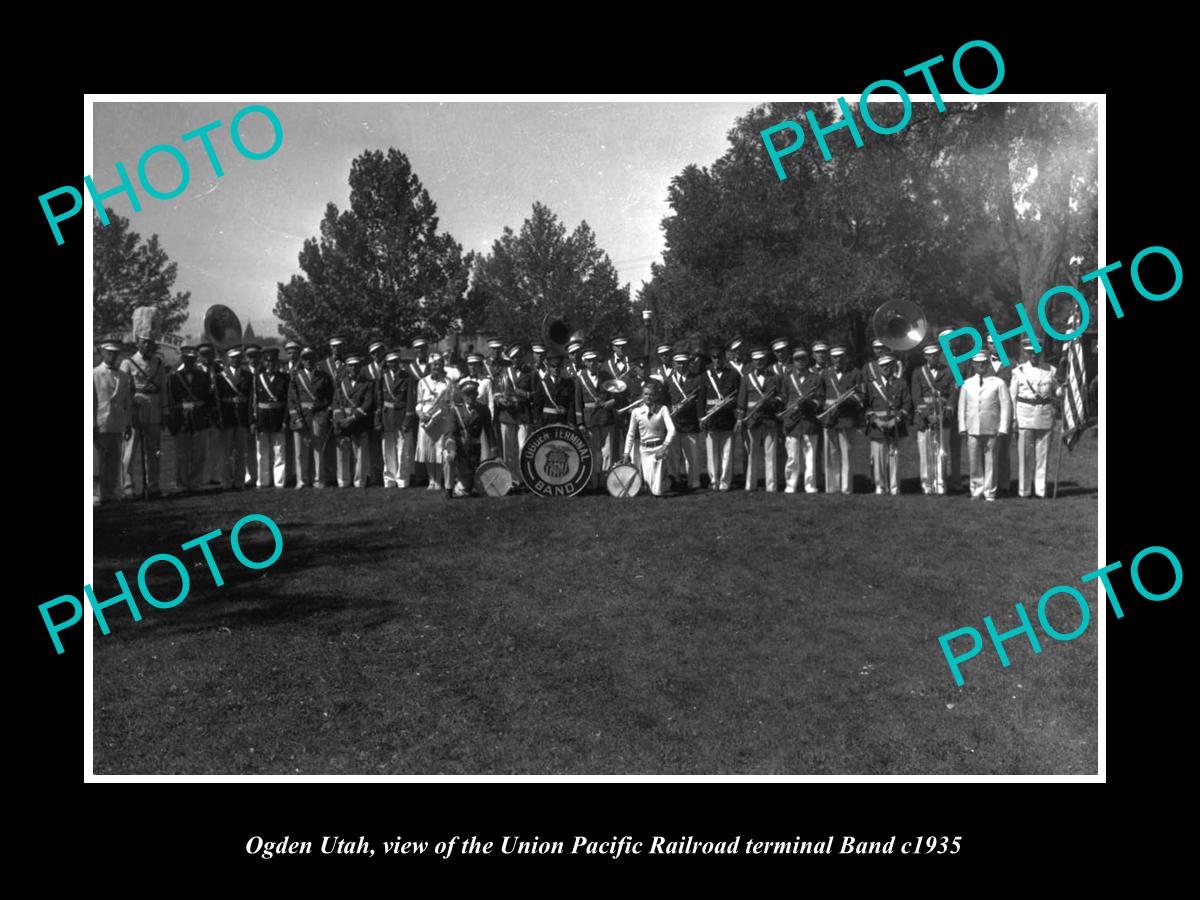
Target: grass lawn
(731, 633)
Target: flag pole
(1058, 464)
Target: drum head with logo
(623, 480)
(556, 461)
(493, 478)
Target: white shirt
(646, 427)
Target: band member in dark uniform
(310, 397)
(685, 395)
(889, 408)
(354, 412)
(270, 404)
(234, 388)
(803, 398)
(758, 405)
(553, 400)
(396, 419)
(474, 438)
(594, 414)
(843, 406)
(514, 389)
(717, 421)
(934, 393)
(189, 391)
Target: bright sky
(484, 165)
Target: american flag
(1075, 393)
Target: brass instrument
(752, 413)
(675, 408)
(221, 327)
(900, 324)
(732, 398)
(615, 386)
(633, 405)
(838, 401)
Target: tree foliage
(966, 212)
(543, 271)
(380, 268)
(128, 272)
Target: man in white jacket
(1032, 389)
(984, 413)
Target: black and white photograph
(596, 436)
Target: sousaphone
(221, 327)
(900, 324)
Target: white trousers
(352, 460)
(719, 447)
(933, 480)
(397, 456)
(801, 456)
(131, 459)
(689, 455)
(839, 468)
(885, 460)
(654, 472)
(762, 450)
(982, 450)
(106, 465)
(271, 458)
(1033, 449)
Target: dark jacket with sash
(888, 400)
(355, 402)
(756, 385)
(836, 384)
(190, 394)
(924, 386)
(396, 401)
(310, 396)
(270, 401)
(720, 385)
(590, 411)
(679, 388)
(803, 398)
(233, 389)
(517, 386)
(549, 393)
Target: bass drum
(493, 478)
(623, 480)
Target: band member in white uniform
(650, 426)
(1032, 388)
(431, 451)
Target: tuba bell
(558, 334)
(900, 324)
(221, 327)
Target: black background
(200, 833)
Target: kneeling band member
(651, 427)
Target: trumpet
(841, 398)
(633, 405)
(716, 409)
(675, 408)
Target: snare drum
(493, 478)
(623, 480)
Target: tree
(544, 271)
(966, 212)
(379, 269)
(128, 273)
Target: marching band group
(742, 415)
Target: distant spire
(248, 333)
